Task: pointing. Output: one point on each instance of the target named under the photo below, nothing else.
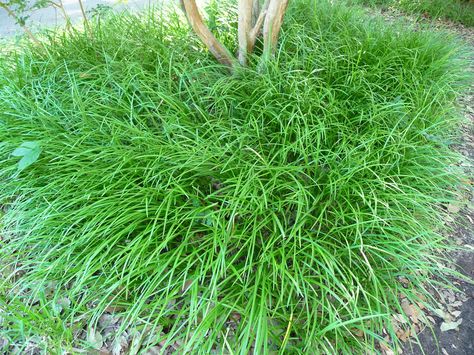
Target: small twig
(54, 4)
(65, 15)
(23, 26)
(60, 6)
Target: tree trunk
(272, 26)
(258, 25)
(251, 18)
(245, 26)
(215, 47)
(255, 11)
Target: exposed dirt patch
(458, 341)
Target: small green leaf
(29, 153)
(19, 152)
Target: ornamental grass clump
(274, 208)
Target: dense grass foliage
(269, 209)
(461, 11)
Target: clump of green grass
(461, 11)
(267, 210)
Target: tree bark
(245, 8)
(255, 11)
(272, 26)
(258, 25)
(219, 51)
(84, 16)
(251, 18)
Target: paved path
(51, 17)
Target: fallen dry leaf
(442, 314)
(358, 333)
(404, 281)
(114, 309)
(120, 345)
(420, 305)
(445, 326)
(453, 208)
(187, 284)
(410, 310)
(431, 319)
(386, 350)
(456, 314)
(403, 334)
(456, 304)
(421, 296)
(94, 338)
(400, 318)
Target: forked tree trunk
(221, 53)
(251, 18)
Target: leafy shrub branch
(20, 11)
